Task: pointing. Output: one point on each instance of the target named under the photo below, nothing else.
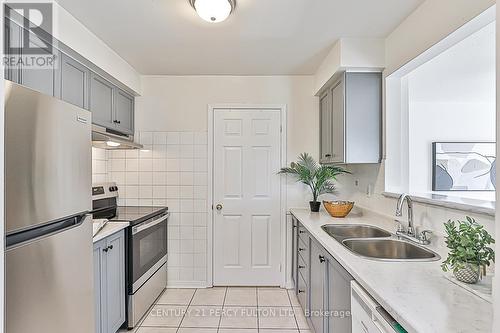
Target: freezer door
(48, 163)
(49, 283)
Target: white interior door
(246, 193)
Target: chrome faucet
(409, 233)
(399, 212)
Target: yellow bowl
(338, 208)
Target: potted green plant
(470, 251)
(319, 178)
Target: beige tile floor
(225, 310)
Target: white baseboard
(186, 284)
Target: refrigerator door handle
(32, 235)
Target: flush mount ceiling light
(213, 11)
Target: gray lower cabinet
(109, 282)
(295, 252)
(317, 287)
(338, 300)
(98, 282)
(322, 286)
(73, 83)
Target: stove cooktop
(137, 214)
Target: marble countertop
(109, 229)
(416, 294)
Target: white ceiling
(262, 37)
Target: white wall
(180, 103)
(71, 32)
(451, 98)
(171, 121)
(428, 24)
(353, 53)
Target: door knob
(218, 207)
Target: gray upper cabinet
(109, 282)
(325, 125)
(41, 79)
(111, 107)
(102, 101)
(124, 112)
(74, 81)
(337, 124)
(70, 77)
(12, 38)
(351, 119)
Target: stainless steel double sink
(375, 243)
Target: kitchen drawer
(302, 293)
(303, 249)
(303, 234)
(303, 269)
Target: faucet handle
(400, 226)
(423, 236)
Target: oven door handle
(144, 226)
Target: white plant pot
(470, 273)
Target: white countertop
(416, 294)
(109, 229)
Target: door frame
(283, 188)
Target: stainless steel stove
(146, 257)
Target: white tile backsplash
(170, 171)
(99, 165)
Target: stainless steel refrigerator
(48, 181)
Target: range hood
(106, 138)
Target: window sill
(475, 206)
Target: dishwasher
(368, 316)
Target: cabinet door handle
(110, 247)
(301, 291)
(105, 249)
(301, 249)
(117, 121)
(300, 266)
(301, 231)
(321, 259)
(328, 155)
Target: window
(446, 95)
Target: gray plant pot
(470, 273)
